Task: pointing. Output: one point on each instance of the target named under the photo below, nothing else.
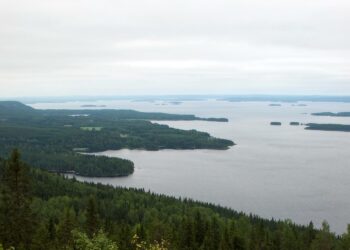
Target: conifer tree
(324, 239)
(17, 218)
(91, 218)
(65, 228)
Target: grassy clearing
(91, 128)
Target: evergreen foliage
(53, 212)
(55, 139)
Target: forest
(328, 127)
(55, 139)
(339, 114)
(42, 210)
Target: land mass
(275, 123)
(328, 127)
(92, 106)
(285, 98)
(339, 114)
(55, 139)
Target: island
(294, 123)
(285, 98)
(275, 123)
(328, 127)
(92, 106)
(60, 140)
(275, 105)
(339, 114)
(175, 103)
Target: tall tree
(17, 218)
(345, 240)
(91, 217)
(288, 239)
(65, 228)
(324, 239)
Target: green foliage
(74, 215)
(91, 217)
(328, 127)
(99, 241)
(16, 218)
(339, 114)
(65, 228)
(324, 240)
(52, 139)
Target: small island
(328, 127)
(175, 103)
(276, 123)
(299, 105)
(92, 106)
(275, 105)
(294, 123)
(339, 114)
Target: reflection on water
(273, 171)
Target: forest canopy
(55, 139)
(41, 210)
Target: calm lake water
(280, 172)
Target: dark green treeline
(40, 210)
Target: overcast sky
(132, 47)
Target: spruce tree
(64, 230)
(17, 218)
(91, 218)
(324, 239)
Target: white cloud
(184, 46)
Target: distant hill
(10, 109)
(14, 105)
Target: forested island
(52, 139)
(285, 98)
(276, 123)
(92, 106)
(45, 211)
(328, 127)
(339, 114)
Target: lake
(273, 171)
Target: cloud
(160, 46)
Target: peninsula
(55, 139)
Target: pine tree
(17, 218)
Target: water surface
(273, 171)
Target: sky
(135, 47)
